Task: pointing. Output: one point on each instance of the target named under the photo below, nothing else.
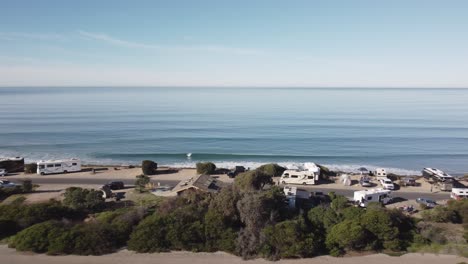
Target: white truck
(387, 184)
(58, 166)
(364, 197)
(299, 177)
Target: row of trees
(250, 218)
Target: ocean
(402, 130)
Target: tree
(149, 167)
(379, 222)
(84, 199)
(150, 235)
(347, 235)
(27, 186)
(30, 168)
(141, 182)
(272, 169)
(252, 180)
(290, 239)
(206, 168)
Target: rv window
(369, 198)
(50, 165)
(41, 166)
(74, 164)
(310, 177)
(286, 175)
(294, 176)
(58, 165)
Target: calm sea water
(400, 129)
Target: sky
(410, 43)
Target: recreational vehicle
(459, 193)
(294, 195)
(436, 174)
(299, 177)
(363, 198)
(58, 166)
(380, 173)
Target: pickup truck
(387, 184)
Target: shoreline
(9, 255)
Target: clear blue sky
(234, 43)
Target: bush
(252, 180)
(150, 235)
(347, 235)
(289, 239)
(30, 168)
(27, 186)
(206, 168)
(149, 167)
(141, 182)
(84, 199)
(34, 238)
(272, 170)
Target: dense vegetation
(206, 168)
(249, 218)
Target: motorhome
(312, 167)
(293, 195)
(299, 177)
(380, 173)
(364, 197)
(459, 193)
(436, 174)
(58, 166)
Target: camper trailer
(459, 193)
(299, 177)
(58, 166)
(363, 198)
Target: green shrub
(84, 199)
(150, 235)
(141, 182)
(289, 239)
(206, 168)
(34, 238)
(272, 170)
(27, 186)
(347, 235)
(30, 168)
(252, 180)
(149, 167)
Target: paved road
(346, 192)
(402, 194)
(87, 181)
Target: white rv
(299, 177)
(363, 198)
(436, 174)
(459, 193)
(58, 166)
(380, 173)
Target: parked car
(387, 184)
(7, 184)
(427, 202)
(116, 185)
(3, 172)
(238, 169)
(408, 182)
(365, 182)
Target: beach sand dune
(10, 256)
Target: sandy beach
(8, 255)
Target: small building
(204, 183)
(15, 164)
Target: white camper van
(58, 166)
(299, 177)
(363, 198)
